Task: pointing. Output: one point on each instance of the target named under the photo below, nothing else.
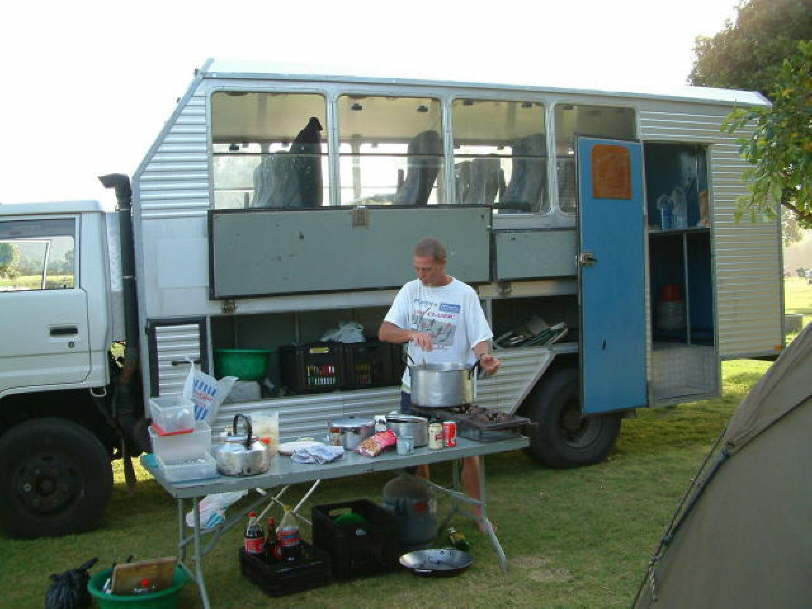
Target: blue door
(611, 275)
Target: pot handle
(247, 422)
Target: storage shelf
(678, 231)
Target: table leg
(485, 522)
(181, 542)
(201, 582)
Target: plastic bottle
(680, 211)
(254, 538)
(666, 207)
(288, 542)
(458, 540)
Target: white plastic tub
(195, 468)
(172, 414)
(181, 446)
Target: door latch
(586, 259)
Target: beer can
(449, 433)
(435, 436)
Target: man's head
(429, 262)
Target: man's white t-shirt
(451, 314)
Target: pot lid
(405, 418)
(352, 423)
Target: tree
(749, 54)
(9, 257)
(780, 147)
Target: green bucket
(163, 599)
(245, 364)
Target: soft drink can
(449, 434)
(435, 436)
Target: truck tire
(55, 479)
(563, 438)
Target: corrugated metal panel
(175, 180)
(175, 343)
(747, 256)
(308, 415)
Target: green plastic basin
(163, 599)
(245, 364)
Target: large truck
(274, 205)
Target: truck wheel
(562, 437)
(55, 479)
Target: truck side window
(37, 255)
(391, 150)
(500, 155)
(269, 150)
(595, 121)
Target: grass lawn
(575, 538)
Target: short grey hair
(430, 247)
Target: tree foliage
(780, 147)
(748, 54)
(9, 257)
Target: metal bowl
(437, 562)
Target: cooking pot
(409, 425)
(437, 562)
(349, 432)
(442, 385)
(241, 454)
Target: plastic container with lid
(181, 446)
(172, 415)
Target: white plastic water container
(172, 414)
(193, 468)
(182, 446)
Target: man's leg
(471, 468)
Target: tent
(742, 536)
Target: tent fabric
(744, 539)
(785, 385)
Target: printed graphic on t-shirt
(439, 319)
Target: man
(442, 320)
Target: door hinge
(586, 259)
(360, 216)
(229, 306)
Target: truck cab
(57, 317)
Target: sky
(87, 85)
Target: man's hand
(422, 340)
(489, 364)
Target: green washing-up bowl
(163, 599)
(245, 364)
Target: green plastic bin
(163, 599)
(245, 364)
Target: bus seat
(528, 177)
(425, 154)
(479, 181)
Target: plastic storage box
(370, 364)
(183, 446)
(312, 368)
(172, 414)
(196, 468)
(278, 578)
(357, 548)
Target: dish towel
(317, 454)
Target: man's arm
(390, 333)
(488, 363)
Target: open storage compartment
(684, 358)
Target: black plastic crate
(278, 578)
(370, 364)
(313, 367)
(357, 549)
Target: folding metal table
(283, 471)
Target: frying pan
(439, 563)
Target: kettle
(241, 454)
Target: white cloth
(318, 454)
(452, 314)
